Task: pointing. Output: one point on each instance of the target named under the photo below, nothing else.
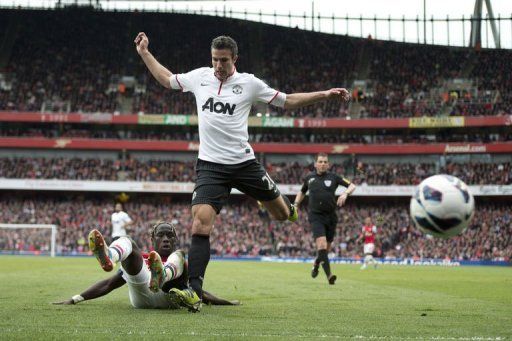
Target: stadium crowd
(243, 229)
(67, 68)
(286, 173)
(72, 66)
(400, 173)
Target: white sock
(174, 266)
(120, 249)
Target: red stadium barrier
(8, 116)
(278, 148)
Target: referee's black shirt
(321, 191)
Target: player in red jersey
(151, 277)
(368, 233)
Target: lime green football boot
(294, 214)
(186, 298)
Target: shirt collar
(229, 76)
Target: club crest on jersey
(237, 89)
(328, 183)
(219, 107)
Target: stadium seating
(285, 173)
(81, 70)
(244, 230)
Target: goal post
(52, 227)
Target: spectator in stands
(239, 230)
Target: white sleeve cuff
(77, 299)
(175, 83)
(278, 100)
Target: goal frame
(37, 226)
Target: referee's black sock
(324, 260)
(198, 258)
(317, 260)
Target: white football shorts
(369, 248)
(140, 295)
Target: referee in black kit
(322, 186)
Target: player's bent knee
(201, 226)
(203, 218)
(277, 208)
(321, 243)
(321, 246)
(280, 215)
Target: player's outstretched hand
(209, 298)
(341, 199)
(339, 93)
(141, 42)
(66, 302)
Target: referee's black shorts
(323, 225)
(215, 181)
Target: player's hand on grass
(65, 302)
(73, 300)
(341, 199)
(339, 93)
(141, 42)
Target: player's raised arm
(161, 74)
(298, 100)
(96, 290)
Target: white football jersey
(223, 109)
(119, 220)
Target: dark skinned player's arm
(209, 298)
(98, 289)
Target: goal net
(28, 239)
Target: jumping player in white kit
(226, 159)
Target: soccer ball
(442, 206)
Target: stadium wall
(188, 187)
(285, 148)
(275, 122)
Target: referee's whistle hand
(341, 200)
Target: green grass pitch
(279, 301)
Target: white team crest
(328, 183)
(194, 195)
(237, 89)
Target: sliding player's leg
(108, 256)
